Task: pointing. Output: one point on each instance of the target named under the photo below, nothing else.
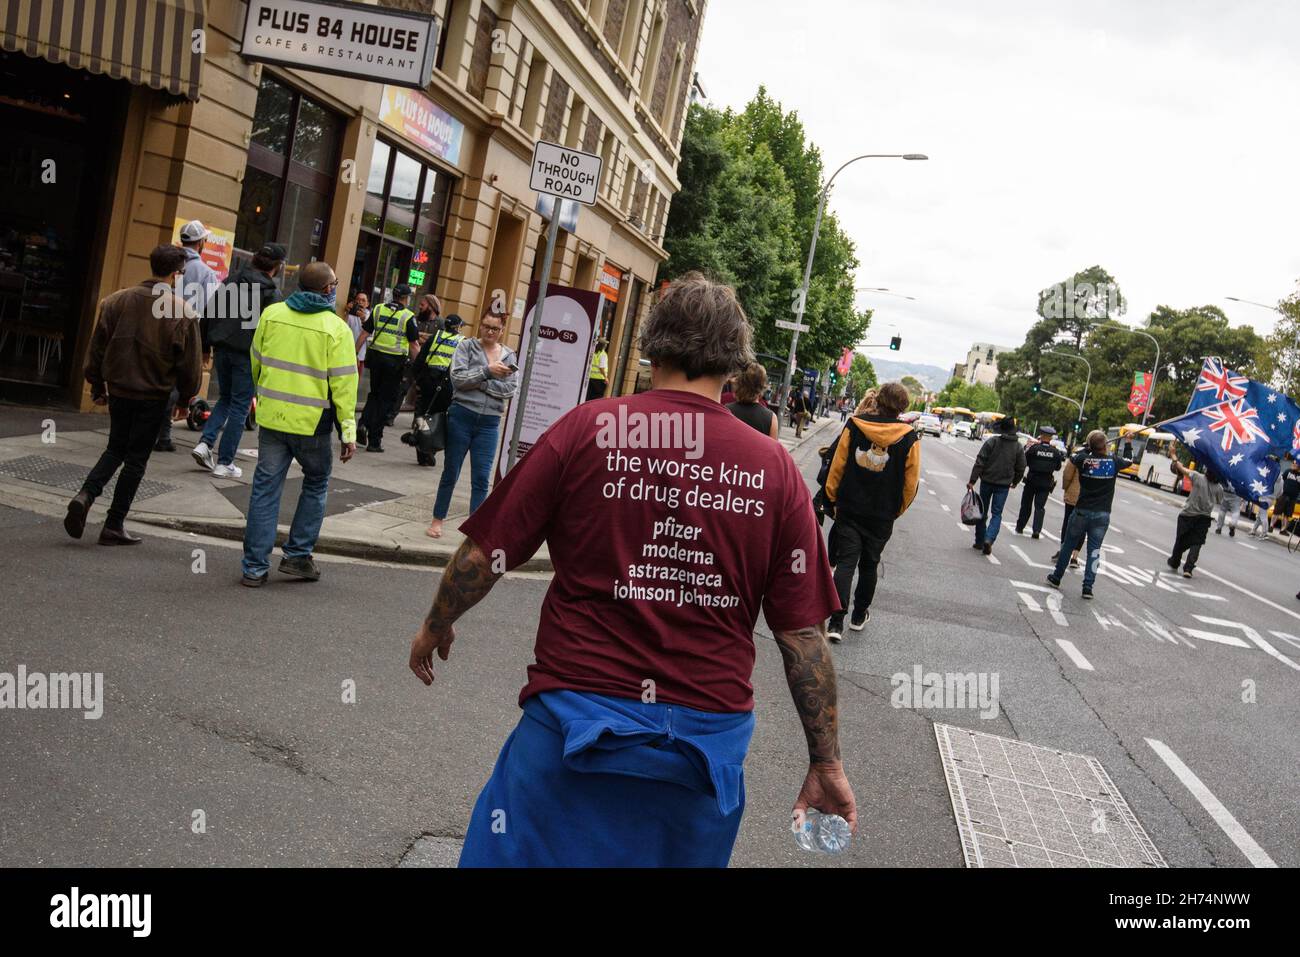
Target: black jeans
(385, 384)
(856, 544)
(132, 431)
(1034, 499)
(1192, 530)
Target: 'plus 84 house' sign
(566, 173)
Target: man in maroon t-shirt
(670, 524)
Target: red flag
(1141, 395)
(846, 362)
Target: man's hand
(827, 789)
(422, 647)
(498, 369)
(347, 450)
(99, 399)
(970, 486)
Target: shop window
(289, 182)
(403, 224)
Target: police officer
(433, 376)
(393, 337)
(599, 373)
(1043, 459)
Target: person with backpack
(999, 467)
(871, 481)
(1097, 469)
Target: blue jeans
(1083, 522)
(275, 452)
(992, 497)
(475, 433)
(234, 372)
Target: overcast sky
(1157, 139)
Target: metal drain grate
(66, 475)
(1021, 805)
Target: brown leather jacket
(1070, 483)
(134, 354)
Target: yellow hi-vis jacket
(304, 363)
(390, 322)
(597, 360)
(443, 348)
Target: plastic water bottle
(822, 833)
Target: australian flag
(1234, 424)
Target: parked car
(928, 424)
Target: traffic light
(832, 377)
(1035, 387)
(895, 343)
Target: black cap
(453, 322)
(401, 291)
(1007, 426)
(274, 252)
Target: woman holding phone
(484, 376)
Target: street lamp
(812, 248)
(1155, 369)
(882, 289)
(1086, 382)
(1252, 302)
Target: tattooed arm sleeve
(810, 673)
(467, 578)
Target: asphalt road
(231, 702)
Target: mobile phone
(512, 367)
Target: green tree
(977, 397)
(861, 377)
(751, 182)
(1077, 304)
(1278, 360)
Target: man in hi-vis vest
(599, 373)
(394, 336)
(305, 368)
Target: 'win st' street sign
(568, 174)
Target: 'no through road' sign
(569, 174)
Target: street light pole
(1155, 369)
(812, 248)
(1086, 382)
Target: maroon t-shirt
(670, 523)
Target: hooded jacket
(1001, 461)
(235, 307)
(876, 468)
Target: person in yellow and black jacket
(871, 482)
(305, 370)
(394, 338)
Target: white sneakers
(203, 455)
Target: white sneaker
(227, 471)
(203, 455)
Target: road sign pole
(551, 233)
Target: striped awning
(156, 43)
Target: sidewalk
(378, 509)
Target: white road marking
(1222, 816)
(940, 474)
(1029, 561)
(1244, 591)
(1050, 535)
(1253, 548)
(946, 509)
(1289, 639)
(993, 559)
(932, 491)
(1031, 602)
(1053, 600)
(1248, 631)
(1075, 654)
(1156, 629)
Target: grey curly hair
(699, 329)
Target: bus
(1151, 451)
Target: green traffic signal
(1035, 387)
(895, 343)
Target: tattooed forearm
(467, 578)
(810, 673)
